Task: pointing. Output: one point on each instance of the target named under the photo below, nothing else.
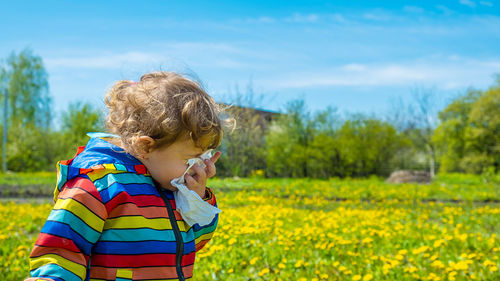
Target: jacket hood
(97, 154)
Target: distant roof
(254, 108)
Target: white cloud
(469, 3)
(378, 15)
(358, 75)
(172, 53)
(446, 11)
(446, 74)
(486, 3)
(375, 17)
(338, 18)
(102, 61)
(492, 64)
(301, 18)
(297, 18)
(354, 67)
(262, 19)
(413, 9)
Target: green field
(304, 229)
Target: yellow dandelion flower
(410, 269)
(437, 264)
(367, 240)
(487, 263)
(438, 243)
(21, 254)
(263, 272)
(461, 265)
(462, 237)
(420, 250)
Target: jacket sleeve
(210, 197)
(62, 250)
(203, 234)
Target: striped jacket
(110, 222)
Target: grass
(307, 229)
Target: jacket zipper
(178, 236)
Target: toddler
(115, 217)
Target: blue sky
(357, 56)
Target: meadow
(305, 229)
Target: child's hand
(198, 181)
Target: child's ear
(143, 146)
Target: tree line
(33, 142)
(462, 137)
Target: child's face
(168, 163)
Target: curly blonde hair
(166, 107)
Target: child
(115, 217)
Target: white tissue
(190, 205)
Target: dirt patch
(404, 176)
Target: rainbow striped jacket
(110, 222)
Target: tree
(29, 100)
(243, 144)
(29, 112)
(367, 146)
(469, 134)
(287, 142)
(76, 122)
(323, 154)
(417, 121)
(81, 118)
(449, 136)
(482, 135)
